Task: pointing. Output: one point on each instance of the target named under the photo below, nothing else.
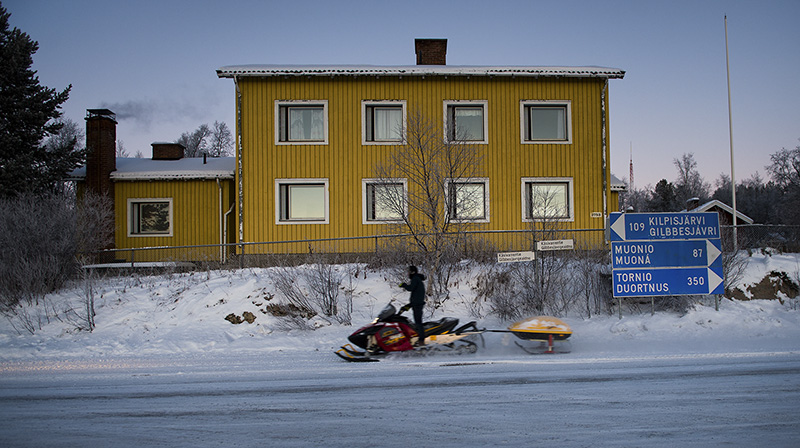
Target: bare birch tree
(547, 206)
(442, 197)
(689, 183)
(212, 141)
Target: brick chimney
(101, 150)
(167, 151)
(101, 160)
(431, 51)
(692, 203)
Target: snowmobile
(391, 332)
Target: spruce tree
(29, 114)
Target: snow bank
(184, 314)
(763, 262)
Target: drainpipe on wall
(225, 227)
(604, 148)
(221, 233)
(239, 156)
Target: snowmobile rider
(417, 303)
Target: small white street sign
(555, 245)
(513, 257)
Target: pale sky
(154, 62)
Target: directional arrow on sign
(715, 282)
(713, 250)
(617, 226)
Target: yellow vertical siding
(195, 218)
(344, 161)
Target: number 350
(696, 281)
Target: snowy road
(311, 399)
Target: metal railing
(470, 244)
(784, 238)
(463, 244)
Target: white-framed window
(466, 121)
(547, 198)
(384, 200)
(301, 201)
(301, 122)
(150, 217)
(468, 199)
(545, 121)
(383, 122)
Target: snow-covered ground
(164, 368)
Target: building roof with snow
(267, 70)
(617, 184)
(715, 205)
(129, 169)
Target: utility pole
(730, 130)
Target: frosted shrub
(315, 290)
(554, 284)
(41, 237)
(38, 256)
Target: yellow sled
(541, 328)
(544, 330)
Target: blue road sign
(665, 282)
(664, 253)
(663, 226)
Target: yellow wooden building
(309, 139)
(164, 201)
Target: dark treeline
(775, 200)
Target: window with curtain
(302, 123)
(546, 122)
(467, 200)
(384, 123)
(384, 201)
(546, 199)
(466, 122)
